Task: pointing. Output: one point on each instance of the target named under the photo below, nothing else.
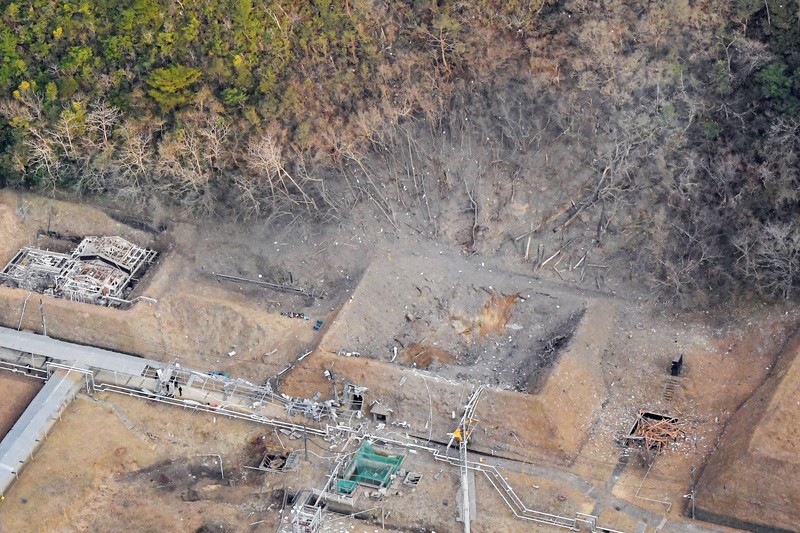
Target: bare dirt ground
(569, 364)
(759, 444)
(17, 392)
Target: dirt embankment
(196, 320)
(16, 393)
(759, 445)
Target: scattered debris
(670, 387)
(274, 286)
(293, 314)
(278, 463)
(412, 479)
(654, 430)
(310, 408)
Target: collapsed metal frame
(92, 282)
(308, 519)
(36, 270)
(115, 251)
(98, 271)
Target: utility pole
(691, 493)
(44, 323)
(465, 427)
(22, 313)
(305, 442)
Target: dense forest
(669, 128)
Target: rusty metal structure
(654, 430)
(101, 270)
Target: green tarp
(370, 468)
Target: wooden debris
(549, 259)
(656, 431)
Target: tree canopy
(687, 113)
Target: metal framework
(107, 371)
(36, 270)
(99, 271)
(307, 520)
(465, 428)
(92, 282)
(369, 468)
(115, 251)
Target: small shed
(380, 412)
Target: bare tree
(134, 159)
(43, 159)
(264, 159)
(101, 120)
(184, 172)
(132, 166)
(770, 257)
(66, 132)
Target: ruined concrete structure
(101, 270)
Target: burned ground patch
(425, 356)
(179, 474)
(532, 372)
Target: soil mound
(751, 482)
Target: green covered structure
(370, 468)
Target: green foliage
(77, 59)
(234, 97)
(746, 8)
(12, 66)
(775, 83)
(722, 78)
(710, 129)
(170, 86)
(51, 92)
(67, 87)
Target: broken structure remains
(380, 412)
(654, 430)
(101, 270)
